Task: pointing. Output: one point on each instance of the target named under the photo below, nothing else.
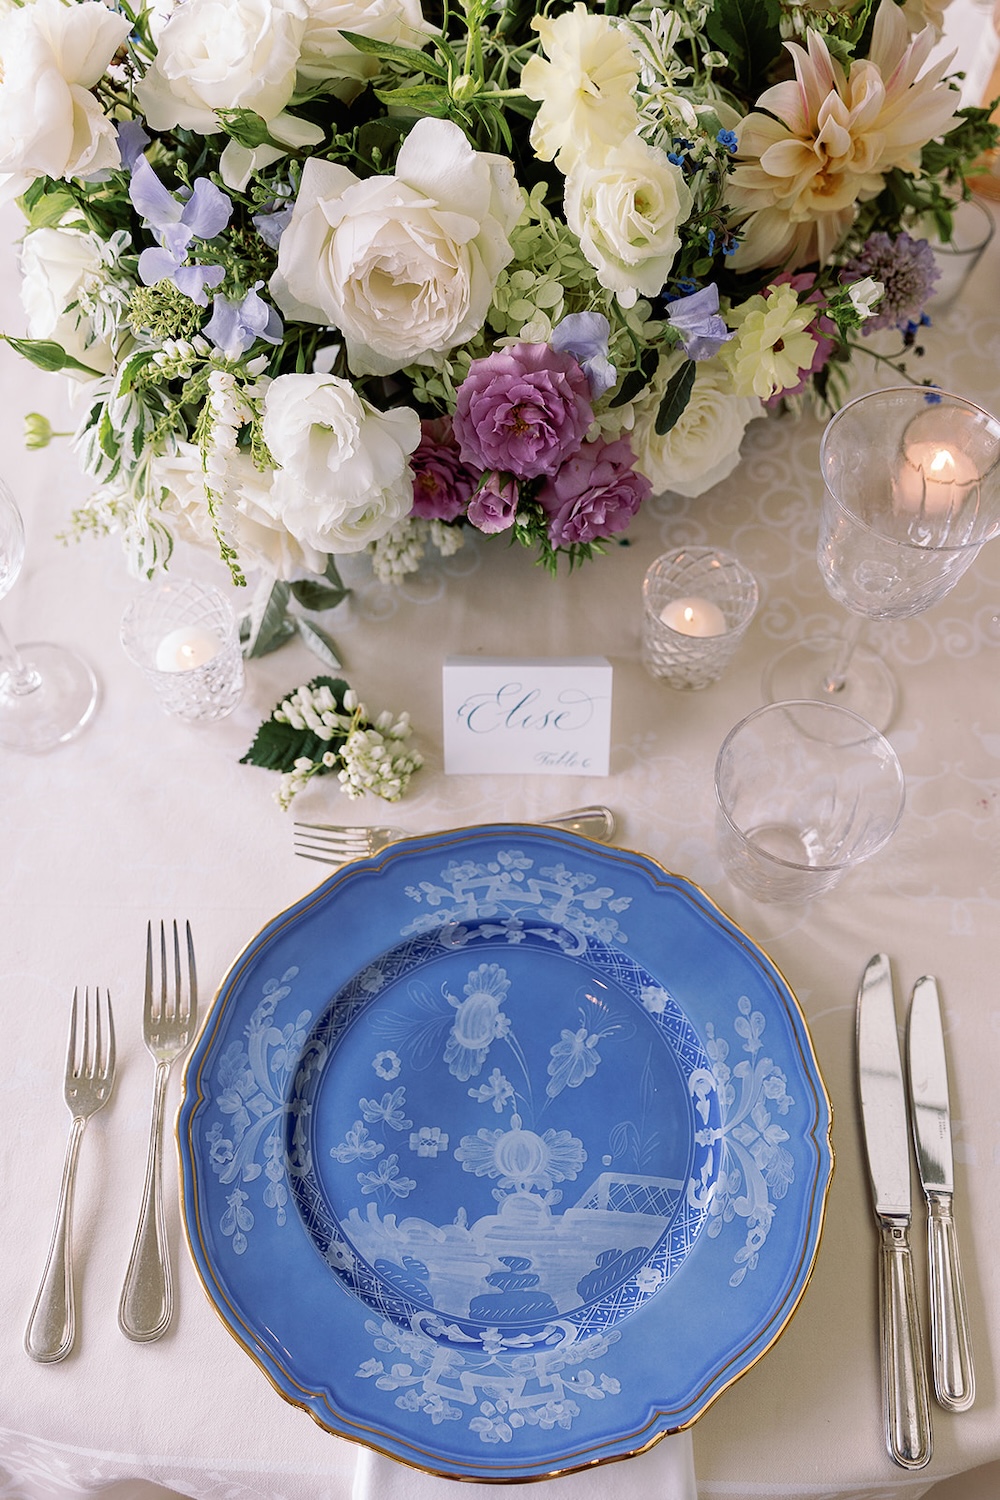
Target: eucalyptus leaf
(675, 397)
(269, 625)
(319, 643)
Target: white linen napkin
(666, 1472)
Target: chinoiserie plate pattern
(504, 1153)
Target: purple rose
(493, 507)
(523, 410)
(442, 485)
(594, 494)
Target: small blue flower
(728, 139)
(678, 161)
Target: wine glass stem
(19, 678)
(836, 678)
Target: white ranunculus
(260, 540)
(405, 265)
(626, 205)
(72, 294)
(222, 54)
(51, 125)
(703, 448)
(343, 478)
(327, 57)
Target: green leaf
(51, 209)
(675, 397)
(277, 746)
(637, 380)
(749, 32)
(319, 643)
(269, 626)
(312, 594)
(47, 355)
(428, 98)
(409, 57)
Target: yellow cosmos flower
(585, 87)
(771, 345)
(828, 139)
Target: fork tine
(176, 1010)
(85, 1068)
(109, 1065)
(163, 971)
(147, 1000)
(71, 1044)
(95, 1067)
(192, 997)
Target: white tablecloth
(144, 817)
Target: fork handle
(147, 1300)
(51, 1328)
(593, 822)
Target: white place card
(548, 716)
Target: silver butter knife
(887, 1140)
(951, 1348)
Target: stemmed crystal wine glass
(47, 693)
(911, 492)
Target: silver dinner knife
(887, 1140)
(951, 1347)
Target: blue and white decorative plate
(504, 1152)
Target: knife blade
(905, 1404)
(951, 1346)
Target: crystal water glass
(47, 692)
(911, 492)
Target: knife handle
(951, 1347)
(904, 1375)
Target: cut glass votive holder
(184, 636)
(697, 604)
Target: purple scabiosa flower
(907, 270)
(235, 327)
(595, 494)
(494, 506)
(585, 336)
(442, 485)
(698, 321)
(523, 411)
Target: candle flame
(688, 614)
(942, 465)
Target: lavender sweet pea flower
(132, 142)
(522, 411)
(272, 225)
(175, 220)
(235, 327)
(703, 332)
(585, 336)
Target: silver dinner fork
(335, 844)
(168, 1022)
(90, 1077)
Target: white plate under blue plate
(504, 1152)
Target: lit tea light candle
(187, 647)
(933, 479)
(694, 616)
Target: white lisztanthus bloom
(52, 56)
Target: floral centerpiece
(337, 275)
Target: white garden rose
(51, 125)
(404, 266)
(74, 293)
(343, 478)
(178, 480)
(703, 448)
(327, 56)
(222, 54)
(626, 206)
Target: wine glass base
(803, 670)
(56, 709)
